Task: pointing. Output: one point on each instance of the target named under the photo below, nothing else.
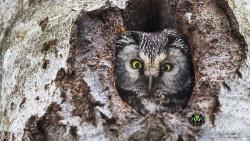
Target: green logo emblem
(196, 119)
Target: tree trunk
(57, 69)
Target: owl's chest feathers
(158, 101)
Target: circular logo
(196, 119)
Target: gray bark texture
(57, 69)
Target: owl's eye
(167, 67)
(136, 64)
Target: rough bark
(57, 64)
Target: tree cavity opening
(149, 15)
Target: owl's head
(152, 61)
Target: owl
(153, 71)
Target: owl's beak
(150, 82)
(150, 73)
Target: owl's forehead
(151, 46)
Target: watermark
(196, 119)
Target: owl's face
(152, 62)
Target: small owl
(153, 71)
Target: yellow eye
(136, 64)
(167, 67)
